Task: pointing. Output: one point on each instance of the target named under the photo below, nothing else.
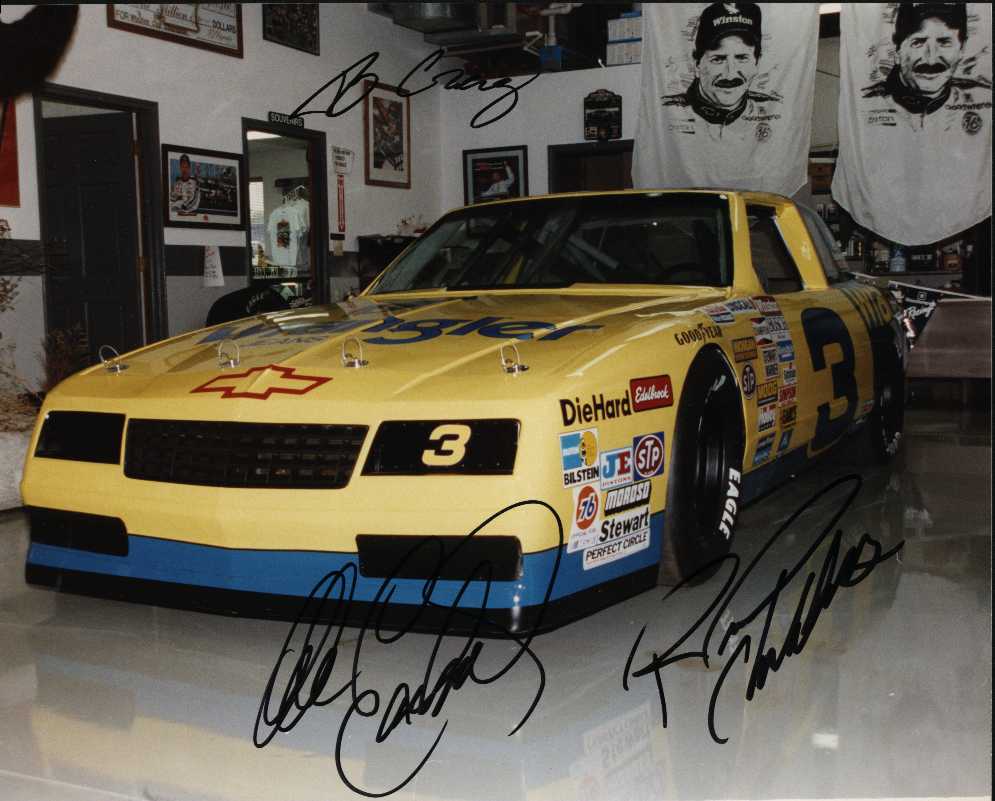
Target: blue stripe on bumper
(296, 572)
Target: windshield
(675, 239)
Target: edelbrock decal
(654, 392)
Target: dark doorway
(590, 166)
(90, 208)
(99, 198)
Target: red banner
(10, 194)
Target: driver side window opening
(772, 261)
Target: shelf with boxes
(625, 39)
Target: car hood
(407, 341)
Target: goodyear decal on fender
(700, 333)
(579, 455)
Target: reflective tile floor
(890, 695)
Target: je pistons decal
(616, 468)
(647, 455)
(261, 382)
(579, 454)
(654, 392)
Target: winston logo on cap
(653, 392)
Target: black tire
(706, 461)
(886, 422)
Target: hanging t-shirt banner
(727, 92)
(915, 118)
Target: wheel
(887, 421)
(706, 463)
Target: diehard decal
(598, 408)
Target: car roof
(768, 197)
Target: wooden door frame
(596, 148)
(318, 167)
(152, 281)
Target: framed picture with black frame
(495, 173)
(293, 25)
(386, 136)
(202, 188)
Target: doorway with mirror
(287, 199)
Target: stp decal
(749, 382)
(654, 392)
(616, 468)
(261, 382)
(579, 454)
(647, 455)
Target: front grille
(216, 454)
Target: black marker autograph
(458, 80)
(304, 686)
(817, 594)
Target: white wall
(549, 112)
(202, 97)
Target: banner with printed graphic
(915, 118)
(727, 92)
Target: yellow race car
(541, 407)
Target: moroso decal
(625, 498)
(261, 382)
(744, 350)
(579, 455)
(599, 408)
(654, 392)
(647, 455)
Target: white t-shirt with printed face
(289, 230)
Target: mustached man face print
(930, 70)
(915, 118)
(723, 84)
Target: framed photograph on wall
(292, 25)
(210, 26)
(495, 173)
(387, 136)
(203, 188)
(10, 193)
